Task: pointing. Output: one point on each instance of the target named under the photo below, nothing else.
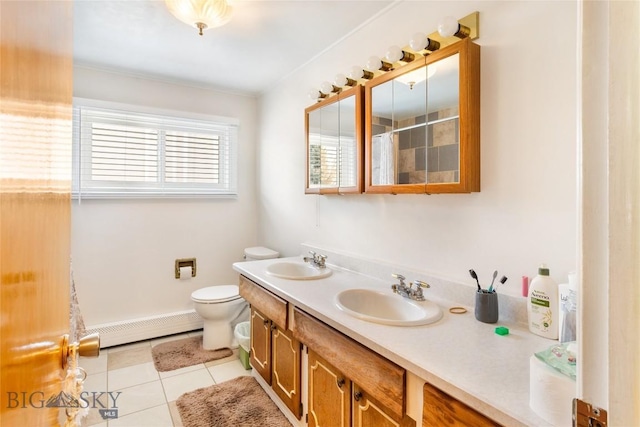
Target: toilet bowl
(222, 307)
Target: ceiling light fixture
(201, 14)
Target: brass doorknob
(88, 346)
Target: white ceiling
(264, 41)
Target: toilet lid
(216, 294)
(259, 252)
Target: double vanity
(334, 346)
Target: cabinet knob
(273, 327)
(340, 382)
(357, 396)
(266, 322)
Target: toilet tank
(259, 252)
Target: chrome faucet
(409, 291)
(317, 260)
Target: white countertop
(458, 354)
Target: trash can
(243, 335)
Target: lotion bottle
(542, 305)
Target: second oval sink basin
(388, 309)
(297, 271)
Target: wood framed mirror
(422, 124)
(335, 136)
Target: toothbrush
(502, 280)
(495, 273)
(475, 276)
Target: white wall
(526, 212)
(124, 251)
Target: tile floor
(147, 396)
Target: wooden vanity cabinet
(275, 354)
(440, 409)
(348, 383)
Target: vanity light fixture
(201, 14)
(342, 80)
(316, 95)
(358, 73)
(420, 42)
(328, 88)
(449, 26)
(420, 45)
(375, 63)
(395, 54)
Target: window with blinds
(128, 154)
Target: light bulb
(448, 26)
(326, 88)
(418, 42)
(374, 63)
(356, 72)
(314, 94)
(340, 80)
(394, 54)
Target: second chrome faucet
(409, 291)
(317, 260)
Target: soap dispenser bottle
(542, 305)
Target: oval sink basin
(297, 271)
(388, 309)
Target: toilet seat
(216, 294)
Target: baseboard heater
(145, 328)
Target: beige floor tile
(175, 414)
(177, 385)
(224, 360)
(167, 374)
(124, 347)
(93, 419)
(139, 397)
(132, 375)
(129, 357)
(94, 365)
(158, 416)
(228, 371)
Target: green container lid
(543, 270)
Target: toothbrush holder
(486, 306)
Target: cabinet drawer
(382, 379)
(440, 409)
(272, 306)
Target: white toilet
(222, 307)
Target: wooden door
(329, 394)
(285, 362)
(369, 412)
(260, 357)
(35, 181)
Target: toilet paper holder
(185, 262)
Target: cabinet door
(286, 360)
(329, 394)
(440, 409)
(367, 412)
(261, 344)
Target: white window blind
(128, 154)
